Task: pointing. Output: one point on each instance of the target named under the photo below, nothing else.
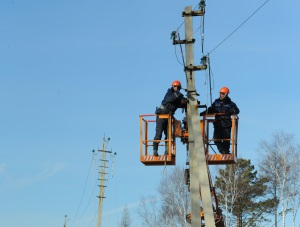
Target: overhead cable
(82, 193)
(239, 26)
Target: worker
(169, 105)
(223, 107)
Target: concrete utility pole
(199, 179)
(102, 179)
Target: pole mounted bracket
(183, 41)
(196, 67)
(203, 65)
(194, 13)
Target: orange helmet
(176, 83)
(224, 90)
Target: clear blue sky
(72, 71)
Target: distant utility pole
(65, 222)
(102, 179)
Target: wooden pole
(102, 175)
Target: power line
(93, 219)
(199, 4)
(239, 26)
(92, 193)
(82, 193)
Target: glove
(158, 110)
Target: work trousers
(220, 134)
(161, 126)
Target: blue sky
(72, 71)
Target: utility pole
(102, 179)
(199, 180)
(65, 222)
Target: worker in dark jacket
(222, 124)
(169, 105)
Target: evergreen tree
(241, 194)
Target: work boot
(155, 153)
(224, 151)
(221, 151)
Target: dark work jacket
(223, 106)
(171, 102)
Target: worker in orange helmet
(169, 105)
(222, 123)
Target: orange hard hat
(224, 90)
(176, 83)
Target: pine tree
(241, 194)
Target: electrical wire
(111, 166)
(177, 57)
(82, 192)
(182, 57)
(202, 33)
(238, 27)
(177, 32)
(225, 37)
(210, 75)
(93, 219)
(91, 196)
(180, 46)
(186, 18)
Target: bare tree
(175, 202)
(148, 210)
(227, 191)
(280, 164)
(294, 185)
(171, 208)
(126, 220)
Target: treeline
(249, 196)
